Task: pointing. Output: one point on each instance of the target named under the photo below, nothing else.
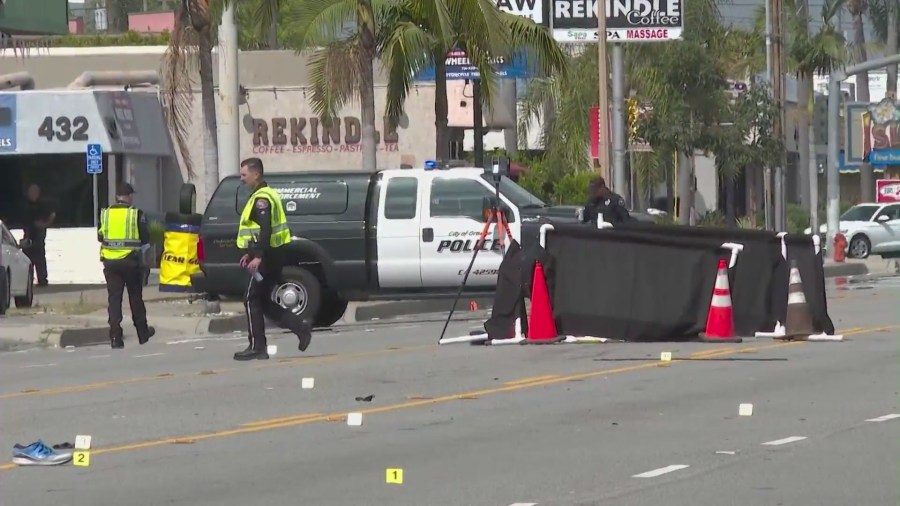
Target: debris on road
(367, 398)
(307, 383)
(745, 410)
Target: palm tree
(678, 81)
(266, 14)
(341, 64)
(857, 9)
(190, 47)
(424, 31)
(408, 36)
(818, 53)
(880, 14)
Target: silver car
(16, 272)
(870, 229)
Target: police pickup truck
(394, 234)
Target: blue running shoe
(38, 454)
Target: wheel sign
(7, 123)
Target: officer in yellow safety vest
(123, 231)
(262, 235)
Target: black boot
(146, 334)
(300, 327)
(251, 354)
(115, 340)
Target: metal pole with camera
(492, 211)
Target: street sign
(94, 159)
(626, 20)
(459, 67)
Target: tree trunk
(891, 46)
(866, 174)
(685, 191)
(208, 101)
(813, 170)
(116, 16)
(804, 92)
(442, 130)
(803, 140)
(366, 29)
(273, 26)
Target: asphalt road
(181, 423)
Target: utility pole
(620, 184)
(603, 106)
(777, 75)
(229, 131)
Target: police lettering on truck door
(453, 213)
(466, 243)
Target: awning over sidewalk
(66, 121)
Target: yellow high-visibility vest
(119, 229)
(249, 229)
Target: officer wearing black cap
(123, 236)
(604, 202)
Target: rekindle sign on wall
(626, 20)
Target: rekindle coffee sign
(626, 20)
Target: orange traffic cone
(541, 325)
(798, 324)
(720, 322)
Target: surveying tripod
(494, 220)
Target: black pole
(478, 123)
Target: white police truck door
(451, 228)
(398, 230)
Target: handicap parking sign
(94, 159)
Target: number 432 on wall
(66, 129)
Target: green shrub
(129, 38)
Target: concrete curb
(78, 337)
(356, 312)
(845, 269)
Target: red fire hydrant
(840, 246)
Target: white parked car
(870, 229)
(16, 272)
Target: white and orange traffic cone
(720, 321)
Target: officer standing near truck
(122, 235)
(263, 234)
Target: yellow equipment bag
(179, 259)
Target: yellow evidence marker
(82, 459)
(394, 476)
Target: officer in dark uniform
(123, 234)
(604, 201)
(263, 234)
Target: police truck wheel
(332, 309)
(4, 291)
(187, 199)
(28, 299)
(305, 287)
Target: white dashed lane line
(38, 365)
(523, 504)
(883, 418)
(787, 440)
(661, 471)
(99, 356)
(148, 355)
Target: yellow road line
(298, 420)
(28, 392)
(294, 418)
(531, 380)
